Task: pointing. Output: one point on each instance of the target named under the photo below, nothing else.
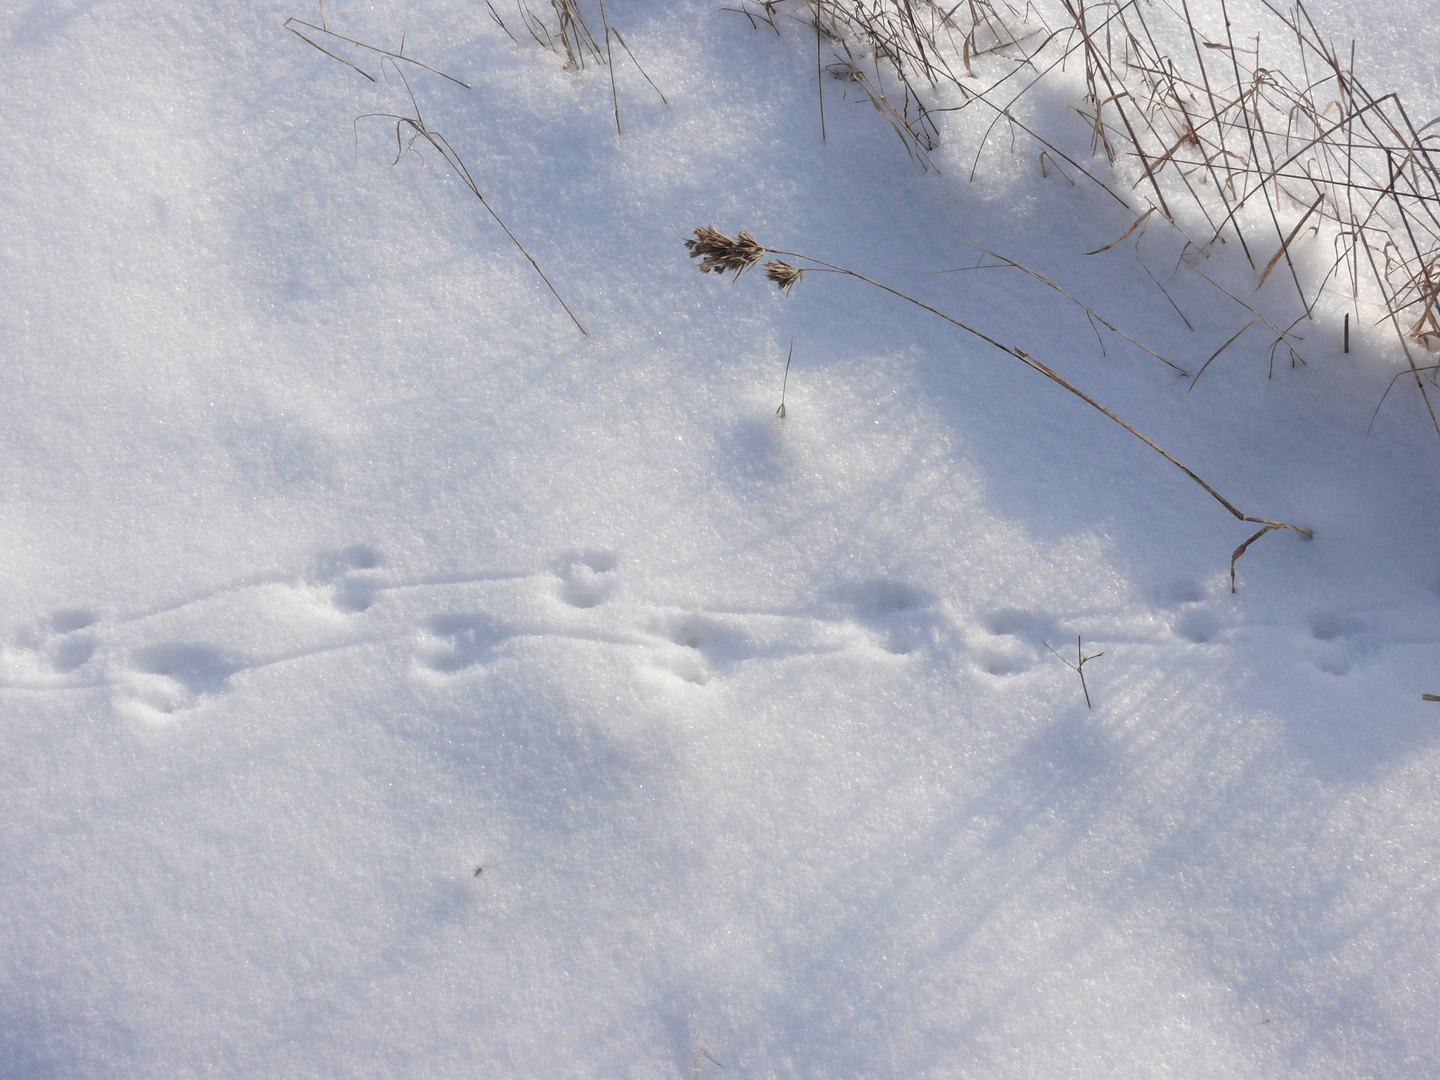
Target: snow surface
(337, 564)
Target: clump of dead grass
(569, 36)
(1226, 135)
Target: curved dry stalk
(395, 57)
(785, 382)
(1228, 342)
(1263, 135)
(719, 253)
(1095, 316)
(1391, 386)
(441, 145)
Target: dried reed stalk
(720, 254)
(572, 39)
(291, 24)
(419, 131)
(1219, 130)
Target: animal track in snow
(174, 677)
(452, 643)
(174, 659)
(1015, 622)
(56, 646)
(1003, 661)
(1177, 594)
(1198, 626)
(68, 648)
(1337, 642)
(1330, 627)
(161, 664)
(722, 642)
(901, 617)
(706, 644)
(67, 622)
(588, 579)
(689, 666)
(353, 576)
(1009, 641)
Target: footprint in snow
(588, 579)
(1191, 622)
(700, 646)
(451, 643)
(709, 644)
(901, 618)
(1198, 626)
(1009, 641)
(1177, 594)
(172, 678)
(59, 645)
(1337, 642)
(687, 665)
(352, 576)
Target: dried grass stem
(719, 253)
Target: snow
(394, 681)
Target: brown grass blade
(1133, 226)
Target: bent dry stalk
(419, 131)
(719, 254)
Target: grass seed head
(785, 276)
(718, 253)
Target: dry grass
(783, 274)
(721, 254)
(298, 27)
(412, 129)
(1079, 666)
(785, 380)
(1093, 316)
(569, 36)
(1224, 139)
